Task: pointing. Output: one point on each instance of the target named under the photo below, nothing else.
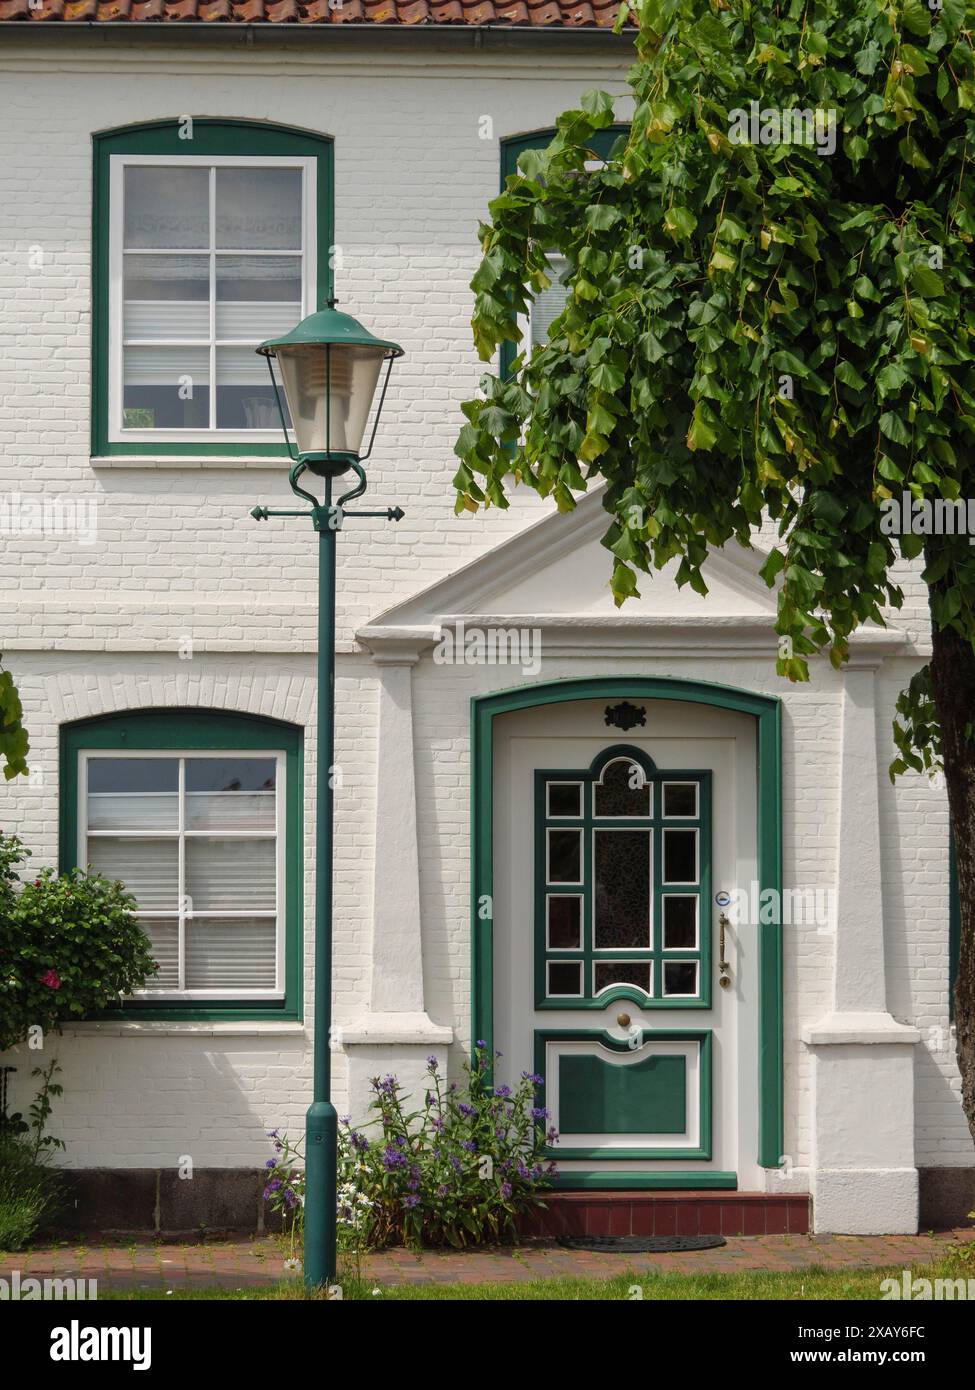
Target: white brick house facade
(183, 603)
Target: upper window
(206, 243)
(548, 305)
(195, 814)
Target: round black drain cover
(633, 1245)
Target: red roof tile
(542, 14)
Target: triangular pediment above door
(554, 577)
(557, 569)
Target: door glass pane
(224, 875)
(565, 977)
(564, 856)
(166, 297)
(565, 799)
(245, 396)
(167, 207)
(621, 889)
(680, 798)
(148, 868)
(680, 977)
(564, 923)
(620, 972)
(680, 922)
(163, 934)
(623, 790)
(257, 296)
(230, 793)
(258, 208)
(237, 953)
(166, 388)
(133, 794)
(680, 856)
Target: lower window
(197, 815)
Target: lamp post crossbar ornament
(330, 366)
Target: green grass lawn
(813, 1283)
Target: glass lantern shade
(329, 390)
(330, 367)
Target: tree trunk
(953, 684)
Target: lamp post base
(321, 1173)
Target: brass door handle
(724, 977)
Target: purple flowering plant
(284, 1188)
(460, 1170)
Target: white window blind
(548, 304)
(197, 839)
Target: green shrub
(29, 1192)
(69, 946)
(29, 1186)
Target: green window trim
(210, 138)
(656, 823)
(512, 147)
(767, 712)
(197, 729)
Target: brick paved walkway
(246, 1263)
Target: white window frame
(180, 835)
(551, 882)
(695, 898)
(577, 897)
(579, 965)
(118, 163)
(608, 952)
(678, 829)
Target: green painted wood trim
(766, 710)
(705, 1039)
(583, 1180)
(515, 145)
(210, 137)
(771, 1136)
(201, 729)
(587, 823)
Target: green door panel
(600, 1097)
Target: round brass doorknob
(623, 1020)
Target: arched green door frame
(766, 711)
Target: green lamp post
(330, 368)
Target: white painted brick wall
(96, 628)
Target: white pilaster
(864, 1179)
(396, 1035)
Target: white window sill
(188, 461)
(154, 1029)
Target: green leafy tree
(765, 324)
(13, 735)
